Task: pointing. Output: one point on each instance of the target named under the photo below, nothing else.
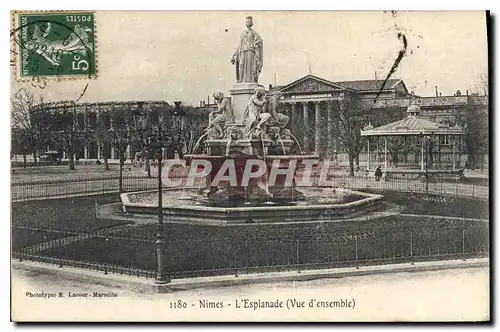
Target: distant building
(309, 99)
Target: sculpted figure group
(260, 114)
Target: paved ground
(461, 294)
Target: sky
(154, 55)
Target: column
(385, 156)
(85, 151)
(112, 151)
(317, 128)
(422, 155)
(305, 110)
(98, 149)
(293, 124)
(330, 129)
(453, 152)
(293, 118)
(128, 152)
(368, 148)
(439, 150)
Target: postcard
(250, 166)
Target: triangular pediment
(311, 84)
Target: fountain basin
(188, 206)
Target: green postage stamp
(54, 44)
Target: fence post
(298, 256)
(236, 263)
(411, 248)
(473, 186)
(463, 244)
(356, 245)
(438, 241)
(60, 247)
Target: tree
(116, 129)
(26, 132)
(65, 132)
(302, 131)
(400, 145)
(194, 124)
(20, 143)
(352, 117)
(103, 127)
(474, 119)
(482, 84)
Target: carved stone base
(253, 194)
(240, 95)
(280, 147)
(235, 131)
(288, 194)
(252, 147)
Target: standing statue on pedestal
(248, 55)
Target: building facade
(312, 104)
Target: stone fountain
(247, 127)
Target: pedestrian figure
(378, 173)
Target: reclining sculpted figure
(255, 115)
(217, 119)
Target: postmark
(49, 45)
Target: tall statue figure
(248, 55)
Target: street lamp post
(120, 181)
(160, 141)
(161, 277)
(427, 144)
(121, 141)
(152, 141)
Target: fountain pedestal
(240, 95)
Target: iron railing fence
(121, 250)
(85, 186)
(63, 188)
(100, 250)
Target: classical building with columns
(311, 103)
